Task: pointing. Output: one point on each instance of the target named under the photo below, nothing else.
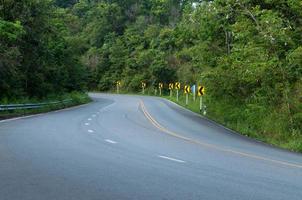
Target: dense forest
(37, 56)
(248, 54)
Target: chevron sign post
(187, 90)
(200, 93)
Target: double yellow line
(171, 133)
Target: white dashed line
(89, 119)
(172, 159)
(111, 141)
(90, 131)
(87, 124)
(93, 115)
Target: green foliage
(36, 56)
(65, 3)
(10, 31)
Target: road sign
(118, 84)
(143, 87)
(160, 86)
(201, 91)
(187, 92)
(177, 86)
(187, 89)
(171, 86)
(193, 89)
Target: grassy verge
(76, 98)
(263, 124)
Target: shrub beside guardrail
(20, 109)
(28, 106)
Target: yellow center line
(174, 134)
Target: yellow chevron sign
(160, 85)
(171, 86)
(144, 85)
(177, 86)
(201, 91)
(187, 89)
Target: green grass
(76, 99)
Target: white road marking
(87, 124)
(93, 115)
(90, 131)
(17, 118)
(89, 119)
(111, 141)
(172, 159)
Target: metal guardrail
(12, 107)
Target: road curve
(139, 148)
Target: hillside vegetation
(247, 53)
(37, 56)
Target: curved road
(139, 148)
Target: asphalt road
(139, 148)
